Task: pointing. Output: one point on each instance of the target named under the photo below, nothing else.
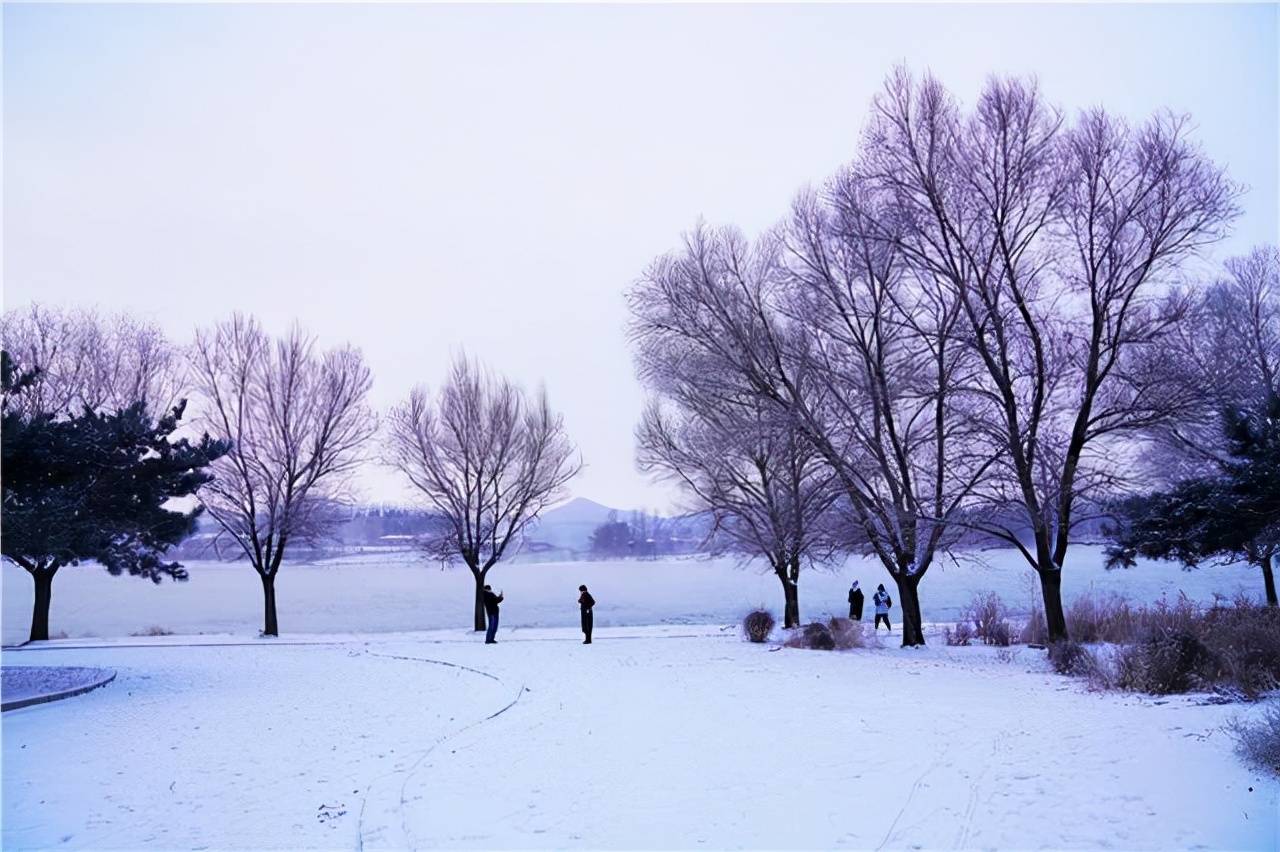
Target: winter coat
(856, 599)
(586, 601)
(491, 602)
(883, 603)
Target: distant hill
(571, 525)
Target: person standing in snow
(855, 601)
(586, 602)
(491, 602)
(883, 603)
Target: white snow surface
(676, 737)
(396, 592)
(23, 682)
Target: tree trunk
(1269, 580)
(40, 612)
(1051, 592)
(790, 602)
(909, 602)
(480, 621)
(269, 627)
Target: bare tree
(86, 360)
(748, 464)
(1059, 243)
(821, 321)
(297, 420)
(487, 457)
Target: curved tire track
(409, 772)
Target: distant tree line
(647, 535)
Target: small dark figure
(491, 602)
(855, 602)
(586, 602)
(883, 603)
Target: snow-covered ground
(677, 737)
(383, 592)
(25, 683)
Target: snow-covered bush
(815, 637)
(985, 619)
(1259, 742)
(989, 617)
(846, 633)
(1167, 662)
(1178, 647)
(1069, 658)
(758, 625)
(1245, 641)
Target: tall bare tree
(752, 468)
(819, 320)
(297, 420)
(488, 457)
(1060, 243)
(87, 360)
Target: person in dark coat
(883, 604)
(586, 602)
(491, 602)
(856, 599)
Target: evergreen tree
(1233, 515)
(94, 486)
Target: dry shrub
(758, 625)
(962, 635)
(985, 619)
(153, 630)
(1245, 642)
(815, 637)
(1100, 618)
(989, 617)
(1008, 655)
(846, 633)
(1069, 658)
(1167, 662)
(1178, 647)
(1036, 630)
(1259, 742)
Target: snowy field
(677, 737)
(403, 592)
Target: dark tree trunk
(790, 602)
(1051, 592)
(1269, 580)
(909, 602)
(480, 621)
(270, 627)
(40, 611)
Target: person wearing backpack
(856, 599)
(586, 602)
(883, 604)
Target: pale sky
(422, 179)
